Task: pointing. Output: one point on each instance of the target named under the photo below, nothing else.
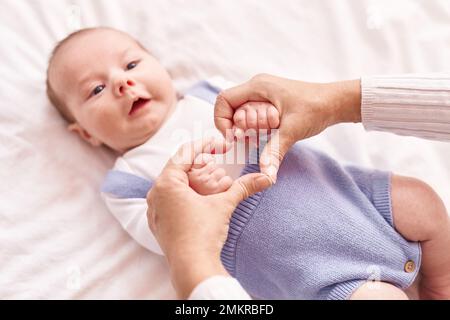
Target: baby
(323, 231)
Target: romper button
(410, 266)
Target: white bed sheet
(57, 240)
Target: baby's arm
(132, 215)
(206, 177)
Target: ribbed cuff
(415, 105)
(343, 291)
(381, 195)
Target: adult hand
(190, 228)
(305, 109)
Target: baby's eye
(131, 65)
(98, 89)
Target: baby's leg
(420, 215)
(378, 291)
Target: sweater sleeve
(219, 288)
(414, 105)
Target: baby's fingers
(202, 160)
(224, 183)
(261, 115)
(255, 115)
(252, 118)
(240, 119)
(262, 118)
(273, 117)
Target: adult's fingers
(273, 154)
(253, 90)
(245, 186)
(223, 117)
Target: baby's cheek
(109, 126)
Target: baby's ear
(75, 127)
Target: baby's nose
(125, 85)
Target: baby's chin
(145, 127)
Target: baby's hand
(206, 178)
(255, 115)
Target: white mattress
(57, 238)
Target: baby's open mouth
(138, 104)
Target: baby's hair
(51, 94)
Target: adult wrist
(187, 273)
(345, 101)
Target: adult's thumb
(273, 154)
(247, 185)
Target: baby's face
(118, 93)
